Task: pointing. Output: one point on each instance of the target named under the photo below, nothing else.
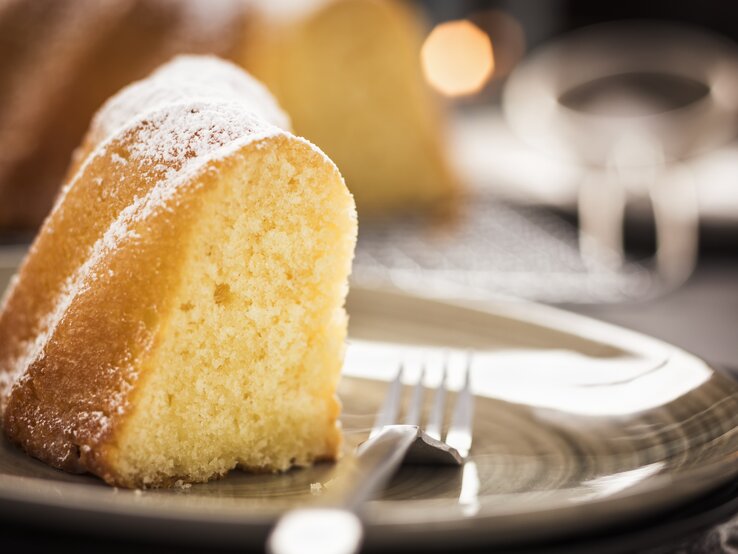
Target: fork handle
(338, 530)
(316, 531)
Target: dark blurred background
(700, 313)
(545, 20)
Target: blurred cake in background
(348, 73)
(60, 59)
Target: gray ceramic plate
(578, 425)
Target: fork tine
(460, 432)
(416, 404)
(435, 421)
(387, 415)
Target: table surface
(702, 317)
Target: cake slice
(181, 311)
(348, 72)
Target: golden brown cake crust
(90, 299)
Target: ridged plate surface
(578, 425)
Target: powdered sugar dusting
(176, 139)
(230, 102)
(117, 158)
(192, 79)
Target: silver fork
(336, 528)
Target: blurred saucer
(492, 159)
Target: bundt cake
(181, 311)
(348, 73)
(61, 59)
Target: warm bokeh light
(457, 58)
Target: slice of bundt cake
(181, 310)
